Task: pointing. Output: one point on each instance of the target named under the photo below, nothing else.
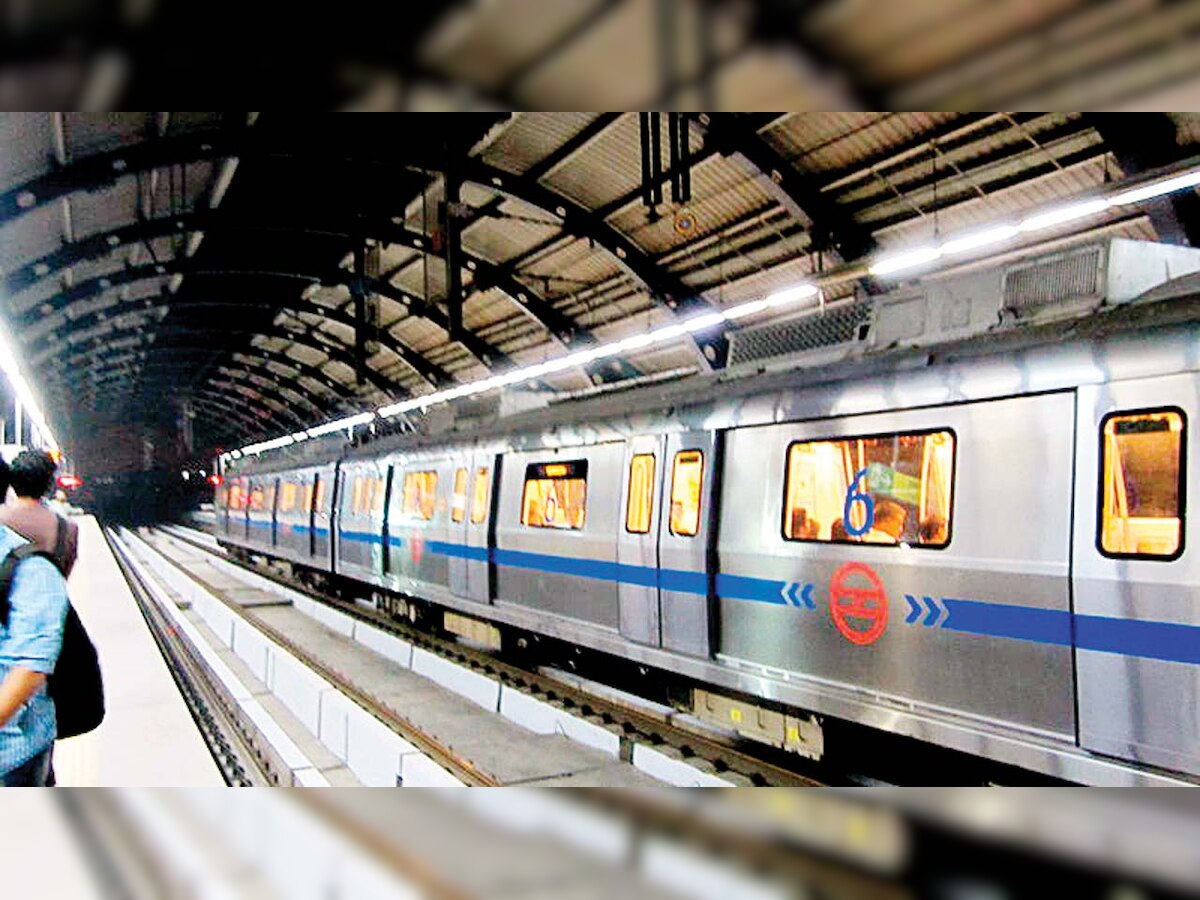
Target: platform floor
(148, 737)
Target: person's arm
(18, 686)
(37, 610)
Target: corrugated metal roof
(531, 137)
(722, 192)
(981, 180)
(608, 168)
(1000, 205)
(498, 240)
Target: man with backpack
(33, 613)
(31, 475)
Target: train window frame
(918, 432)
(416, 514)
(629, 492)
(459, 496)
(576, 470)
(480, 507)
(671, 493)
(1182, 485)
(287, 497)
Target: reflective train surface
(984, 547)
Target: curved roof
(267, 272)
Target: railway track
(635, 723)
(212, 709)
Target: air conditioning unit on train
(939, 309)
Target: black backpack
(76, 685)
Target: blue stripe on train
(1022, 623)
(1126, 637)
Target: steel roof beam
(432, 373)
(335, 352)
(251, 425)
(102, 244)
(831, 227)
(101, 170)
(118, 366)
(281, 414)
(95, 246)
(665, 288)
(292, 393)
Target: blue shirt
(33, 638)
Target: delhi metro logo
(858, 603)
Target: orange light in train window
(479, 508)
(687, 479)
(556, 470)
(458, 504)
(1142, 489)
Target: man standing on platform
(31, 475)
(30, 642)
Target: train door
(637, 540)
(1136, 573)
(322, 516)
(460, 488)
(685, 534)
(485, 469)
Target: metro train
(981, 543)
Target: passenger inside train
(890, 518)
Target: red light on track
(216, 480)
(70, 482)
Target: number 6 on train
(853, 495)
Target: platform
(148, 737)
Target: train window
(287, 497)
(479, 496)
(420, 494)
(319, 497)
(555, 495)
(256, 498)
(377, 501)
(886, 489)
(640, 505)
(308, 497)
(458, 503)
(1142, 494)
(269, 497)
(687, 478)
(237, 497)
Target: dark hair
(31, 474)
(3, 479)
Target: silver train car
(980, 543)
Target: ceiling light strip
(1178, 180)
(24, 394)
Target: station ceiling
(262, 273)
